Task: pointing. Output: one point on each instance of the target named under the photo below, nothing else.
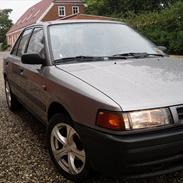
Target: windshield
(97, 40)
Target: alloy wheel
(67, 149)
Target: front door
(36, 84)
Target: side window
(75, 9)
(15, 48)
(61, 11)
(23, 42)
(36, 43)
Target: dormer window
(61, 11)
(75, 9)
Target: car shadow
(35, 126)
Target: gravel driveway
(23, 154)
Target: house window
(75, 9)
(61, 11)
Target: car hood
(134, 84)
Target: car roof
(56, 22)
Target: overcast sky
(18, 7)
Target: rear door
(14, 67)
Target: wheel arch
(55, 108)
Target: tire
(11, 100)
(66, 149)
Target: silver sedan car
(112, 101)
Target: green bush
(163, 28)
(4, 47)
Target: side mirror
(34, 59)
(162, 48)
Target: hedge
(164, 28)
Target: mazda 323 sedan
(112, 101)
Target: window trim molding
(73, 10)
(19, 39)
(36, 27)
(59, 7)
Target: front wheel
(66, 149)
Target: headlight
(133, 120)
(147, 118)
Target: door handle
(7, 64)
(44, 87)
(21, 71)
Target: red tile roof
(33, 14)
(69, 1)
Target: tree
(121, 8)
(5, 24)
(160, 20)
(162, 27)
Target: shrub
(163, 28)
(4, 47)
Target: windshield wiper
(103, 58)
(77, 59)
(86, 58)
(155, 54)
(137, 55)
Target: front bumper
(134, 155)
